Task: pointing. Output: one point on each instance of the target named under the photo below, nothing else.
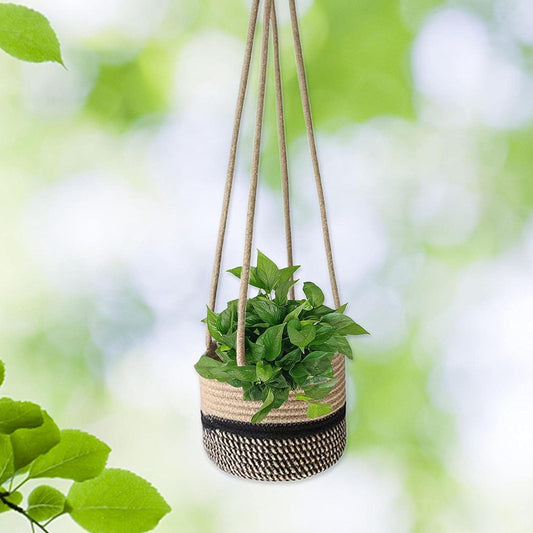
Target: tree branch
(20, 510)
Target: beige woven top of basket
(224, 401)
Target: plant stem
(46, 524)
(19, 485)
(14, 507)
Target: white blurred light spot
(488, 369)
(445, 214)
(450, 56)
(160, 374)
(457, 66)
(41, 91)
(519, 15)
(85, 224)
(283, 11)
(208, 71)
(357, 495)
(135, 20)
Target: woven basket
(285, 446)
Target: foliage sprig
(101, 500)
(290, 344)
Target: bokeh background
(111, 181)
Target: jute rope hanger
(231, 163)
(269, 20)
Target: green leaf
(267, 311)
(212, 325)
(290, 359)
(285, 274)
(343, 324)
(2, 372)
(316, 409)
(225, 372)
(210, 368)
(28, 444)
(282, 291)
(230, 340)
(78, 456)
(278, 381)
(318, 312)
(254, 278)
(320, 378)
(27, 35)
(317, 362)
(267, 271)
(243, 373)
(320, 390)
(14, 498)
(225, 354)
(299, 373)
(271, 339)
(251, 318)
(324, 332)
(300, 335)
(252, 392)
(45, 502)
(280, 397)
(6, 458)
(295, 313)
(314, 294)
(337, 344)
(227, 319)
(268, 400)
(15, 415)
(264, 371)
(117, 501)
(254, 352)
(341, 309)
(237, 271)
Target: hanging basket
(286, 445)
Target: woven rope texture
(275, 459)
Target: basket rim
(226, 402)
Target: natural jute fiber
(305, 451)
(286, 445)
(224, 401)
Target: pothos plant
(290, 344)
(101, 500)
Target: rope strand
(270, 20)
(231, 164)
(304, 93)
(282, 142)
(245, 274)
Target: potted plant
(282, 414)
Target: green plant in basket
(290, 344)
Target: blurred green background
(111, 180)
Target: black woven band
(274, 431)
